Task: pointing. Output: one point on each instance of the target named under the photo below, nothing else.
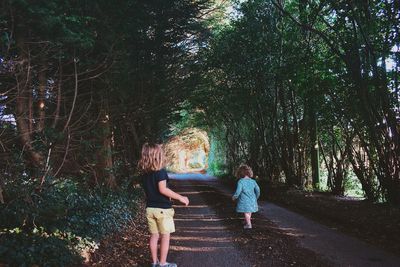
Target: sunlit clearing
(188, 151)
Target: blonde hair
(152, 158)
(244, 170)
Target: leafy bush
(26, 249)
(52, 227)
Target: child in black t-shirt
(159, 211)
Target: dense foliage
(56, 226)
(300, 87)
(82, 82)
(294, 88)
(82, 86)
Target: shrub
(26, 249)
(52, 227)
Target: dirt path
(209, 233)
(202, 239)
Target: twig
(324, 37)
(57, 112)
(65, 155)
(47, 167)
(75, 95)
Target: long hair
(244, 170)
(152, 158)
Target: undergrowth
(54, 226)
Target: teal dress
(247, 193)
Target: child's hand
(233, 198)
(184, 200)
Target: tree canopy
(291, 87)
(304, 91)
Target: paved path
(201, 238)
(341, 249)
(338, 248)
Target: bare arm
(239, 189)
(162, 187)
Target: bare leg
(247, 216)
(164, 246)
(153, 246)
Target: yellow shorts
(160, 221)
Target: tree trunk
(23, 109)
(104, 155)
(314, 147)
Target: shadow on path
(202, 239)
(210, 233)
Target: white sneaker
(168, 264)
(247, 226)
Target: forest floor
(210, 226)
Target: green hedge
(53, 227)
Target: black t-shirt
(150, 182)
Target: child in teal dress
(247, 193)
